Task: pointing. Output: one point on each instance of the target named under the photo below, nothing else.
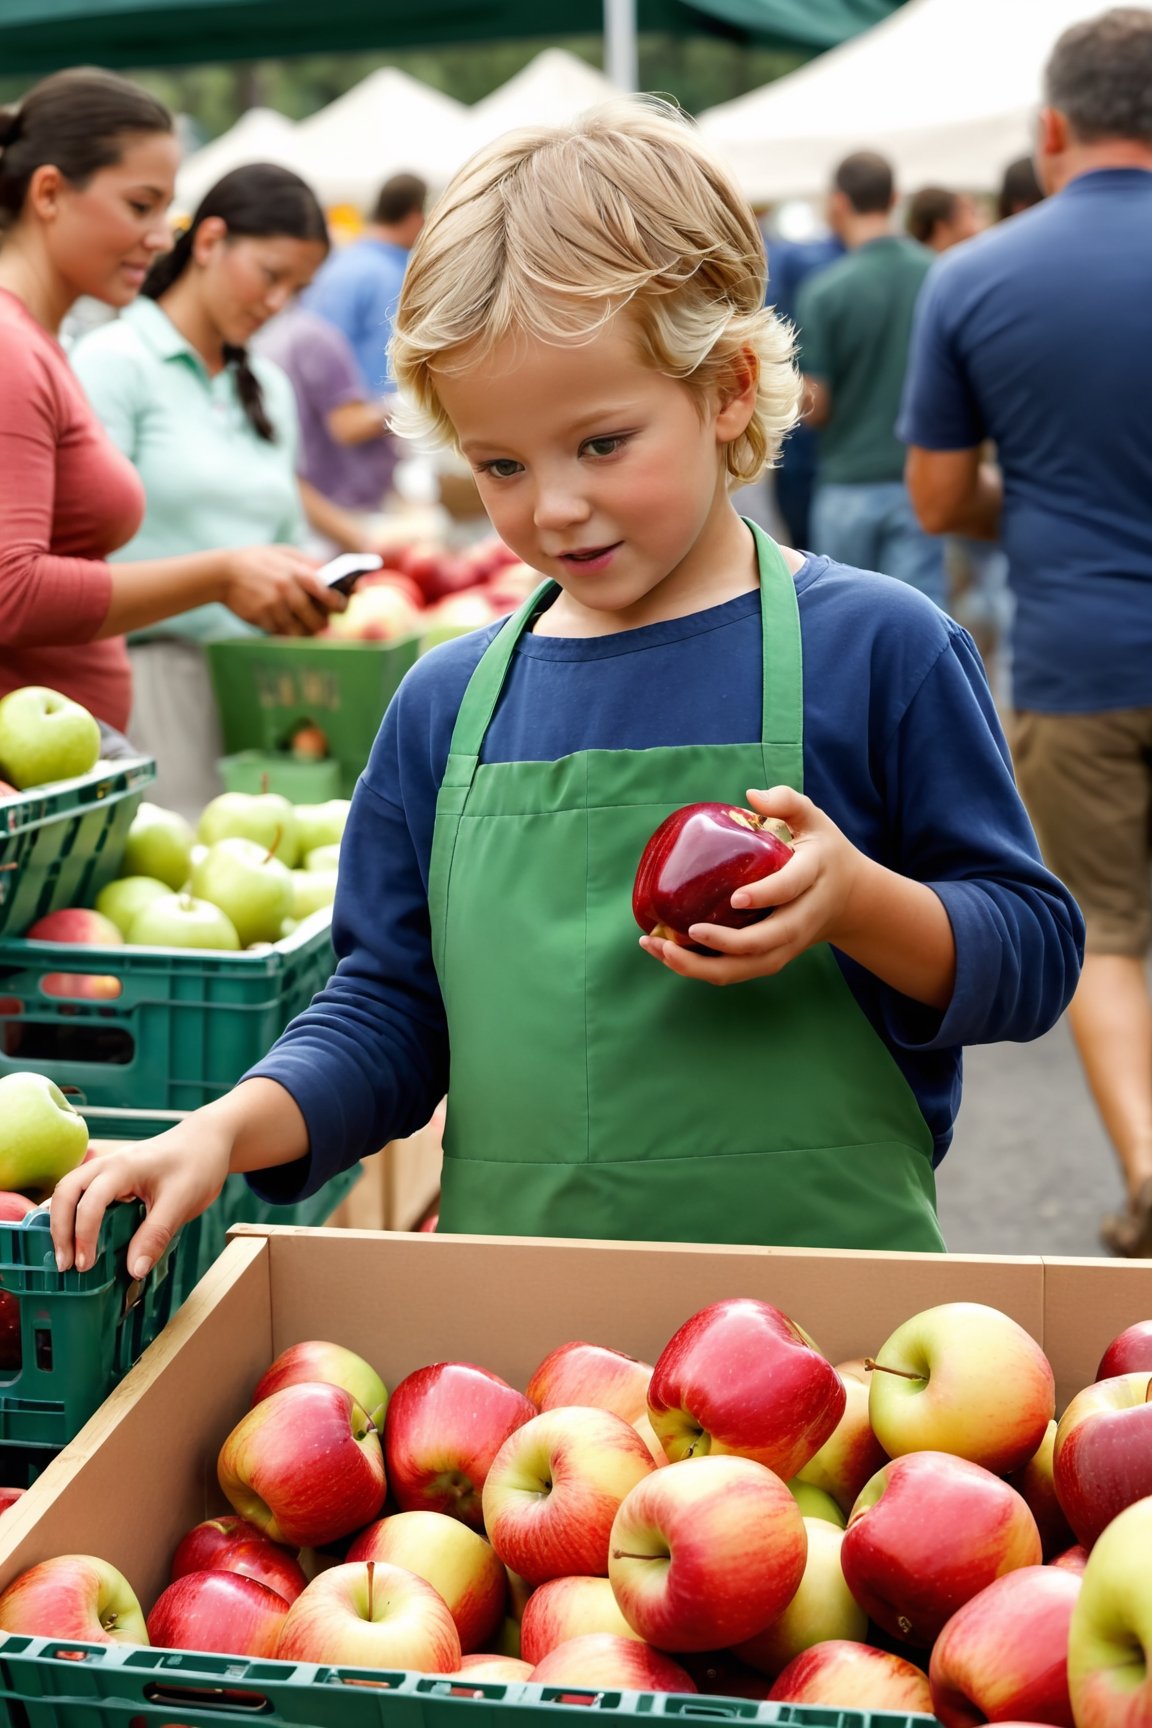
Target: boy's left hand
(811, 895)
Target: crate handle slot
(214, 1698)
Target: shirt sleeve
(45, 600)
(939, 410)
(112, 383)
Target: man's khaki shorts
(1087, 782)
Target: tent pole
(620, 42)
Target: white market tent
(552, 88)
(947, 89)
(260, 135)
(387, 124)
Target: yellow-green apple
(823, 1608)
(741, 1377)
(321, 824)
(566, 1608)
(335, 1365)
(45, 736)
(73, 1596)
(519, 1590)
(227, 1613)
(445, 1424)
(304, 1465)
(704, 1553)
(554, 1488)
(505, 1670)
(962, 1378)
(926, 1535)
(455, 1560)
(1037, 1483)
(507, 1639)
(322, 859)
(159, 843)
(1130, 1352)
(312, 889)
(599, 1660)
(381, 613)
(851, 1455)
(253, 888)
(371, 1616)
(842, 1675)
(1102, 1460)
(1110, 1638)
(816, 1503)
(122, 899)
(182, 921)
(1073, 1559)
(1004, 1654)
(229, 1543)
(579, 1373)
(42, 1136)
(265, 818)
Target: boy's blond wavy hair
(552, 230)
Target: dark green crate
(80, 1332)
(279, 771)
(182, 1030)
(46, 1683)
(267, 687)
(60, 844)
(20, 1466)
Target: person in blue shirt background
(1036, 335)
(358, 286)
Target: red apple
(85, 929)
(461, 1565)
(566, 1608)
(586, 1374)
(371, 1616)
(851, 1455)
(504, 1670)
(1102, 1460)
(13, 1207)
(9, 1497)
(1005, 1652)
(901, 1567)
(304, 1465)
(224, 1612)
(1073, 1559)
(599, 1661)
(445, 1424)
(11, 1343)
(332, 1364)
(309, 744)
(842, 1675)
(73, 1596)
(1129, 1353)
(696, 860)
(230, 1544)
(554, 1488)
(705, 1553)
(741, 1377)
(1036, 1482)
(823, 1608)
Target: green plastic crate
(272, 771)
(60, 844)
(183, 1028)
(80, 1332)
(269, 686)
(47, 1683)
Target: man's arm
(954, 491)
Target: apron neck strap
(782, 727)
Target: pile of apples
(912, 1532)
(426, 590)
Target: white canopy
(552, 88)
(947, 89)
(387, 124)
(260, 135)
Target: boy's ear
(738, 388)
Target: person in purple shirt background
(358, 287)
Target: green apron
(593, 1093)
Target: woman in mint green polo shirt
(212, 431)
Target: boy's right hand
(276, 588)
(177, 1175)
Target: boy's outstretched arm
(178, 1174)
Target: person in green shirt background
(855, 322)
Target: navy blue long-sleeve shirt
(902, 749)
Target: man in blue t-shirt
(1036, 335)
(358, 286)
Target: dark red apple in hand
(696, 860)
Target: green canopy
(38, 36)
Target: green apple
(1110, 1636)
(122, 899)
(159, 844)
(816, 1502)
(312, 889)
(247, 883)
(823, 1607)
(181, 921)
(321, 824)
(41, 1136)
(263, 817)
(45, 736)
(322, 858)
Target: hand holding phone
(342, 573)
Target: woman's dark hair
(259, 201)
(76, 121)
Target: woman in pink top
(87, 164)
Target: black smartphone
(342, 573)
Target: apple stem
(265, 782)
(276, 839)
(873, 1366)
(371, 1577)
(623, 1554)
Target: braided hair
(259, 201)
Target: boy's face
(603, 474)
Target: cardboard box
(399, 1186)
(143, 1470)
